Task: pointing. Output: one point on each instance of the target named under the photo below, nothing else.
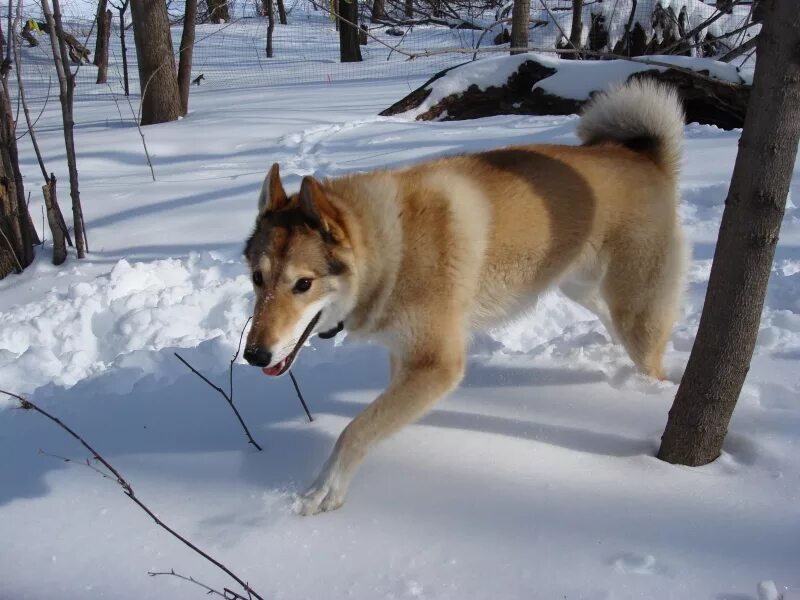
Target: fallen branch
(225, 593)
(228, 397)
(127, 488)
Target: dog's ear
(273, 196)
(317, 208)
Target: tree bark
(520, 21)
(409, 9)
(53, 213)
(751, 222)
(186, 50)
(124, 47)
(349, 48)
(378, 10)
(270, 25)
(218, 11)
(158, 80)
(281, 12)
(101, 48)
(102, 35)
(577, 24)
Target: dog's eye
(302, 285)
(258, 279)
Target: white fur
(637, 108)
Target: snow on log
(535, 84)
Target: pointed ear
(312, 200)
(316, 206)
(272, 196)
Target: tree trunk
(218, 11)
(378, 10)
(282, 12)
(16, 244)
(185, 60)
(349, 48)
(577, 24)
(270, 25)
(748, 235)
(520, 21)
(101, 48)
(53, 213)
(102, 35)
(124, 47)
(158, 80)
(409, 6)
(66, 86)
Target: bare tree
(378, 10)
(17, 234)
(520, 22)
(269, 8)
(55, 219)
(745, 249)
(101, 47)
(349, 48)
(102, 6)
(66, 86)
(409, 9)
(577, 24)
(281, 12)
(187, 47)
(161, 101)
(122, 9)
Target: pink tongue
(276, 370)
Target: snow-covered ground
(535, 480)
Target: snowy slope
(535, 480)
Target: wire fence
(410, 40)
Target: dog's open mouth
(283, 366)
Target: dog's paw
(320, 497)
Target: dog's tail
(642, 115)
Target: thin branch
(86, 463)
(235, 356)
(228, 398)
(226, 593)
(300, 395)
(129, 492)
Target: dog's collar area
(331, 333)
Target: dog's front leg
(415, 387)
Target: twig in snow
(228, 397)
(225, 593)
(127, 488)
(86, 463)
(300, 396)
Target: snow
(573, 79)
(536, 479)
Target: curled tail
(640, 114)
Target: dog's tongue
(276, 370)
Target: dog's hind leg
(643, 287)
(424, 375)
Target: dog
(418, 257)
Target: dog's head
(301, 266)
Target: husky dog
(416, 258)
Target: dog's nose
(257, 356)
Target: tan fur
(443, 248)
